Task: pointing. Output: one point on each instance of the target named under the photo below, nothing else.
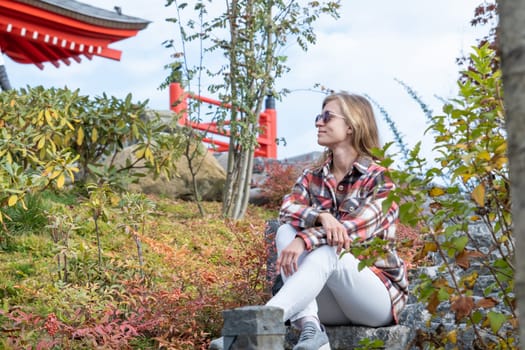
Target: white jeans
(331, 288)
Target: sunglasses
(326, 116)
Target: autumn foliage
(194, 268)
(279, 181)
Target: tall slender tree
(252, 34)
(512, 36)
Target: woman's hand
(289, 257)
(336, 234)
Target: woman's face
(332, 129)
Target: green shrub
(466, 184)
(32, 218)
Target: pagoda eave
(35, 34)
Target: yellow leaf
(12, 102)
(148, 155)
(484, 155)
(501, 148)
(466, 177)
(53, 147)
(452, 336)
(41, 143)
(428, 247)
(114, 200)
(436, 192)
(71, 174)
(94, 135)
(139, 153)
(12, 200)
(478, 195)
(55, 174)
(47, 114)
(47, 170)
(471, 279)
(60, 181)
(69, 125)
(80, 136)
(135, 130)
(500, 162)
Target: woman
(331, 207)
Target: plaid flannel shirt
(361, 194)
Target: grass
(183, 253)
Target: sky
(373, 44)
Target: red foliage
(410, 243)
(51, 325)
(279, 182)
(187, 313)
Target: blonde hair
(360, 117)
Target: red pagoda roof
(38, 31)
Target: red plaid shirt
(357, 203)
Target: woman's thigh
(360, 294)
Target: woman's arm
(361, 216)
(297, 208)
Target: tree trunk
(512, 13)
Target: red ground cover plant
(188, 314)
(409, 245)
(279, 182)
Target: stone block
(348, 337)
(252, 328)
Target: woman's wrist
(318, 220)
(299, 238)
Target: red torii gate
(267, 122)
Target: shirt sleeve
(297, 209)
(302, 207)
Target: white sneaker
(312, 338)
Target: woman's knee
(284, 236)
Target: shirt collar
(361, 164)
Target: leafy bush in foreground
(466, 185)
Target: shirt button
(340, 187)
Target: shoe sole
(325, 347)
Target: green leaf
(496, 320)
(460, 243)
